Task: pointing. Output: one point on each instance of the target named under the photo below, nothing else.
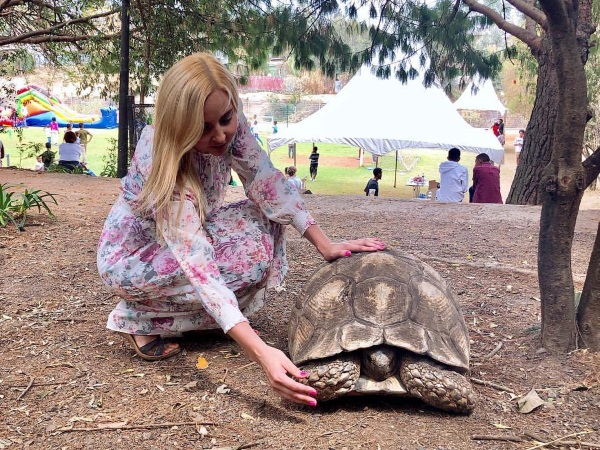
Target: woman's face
(220, 125)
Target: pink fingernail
(313, 403)
(313, 393)
(348, 253)
(303, 374)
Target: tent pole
(396, 169)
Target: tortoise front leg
(332, 377)
(439, 387)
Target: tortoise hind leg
(436, 386)
(332, 377)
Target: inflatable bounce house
(42, 106)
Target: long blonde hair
(179, 125)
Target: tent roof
(381, 116)
(484, 99)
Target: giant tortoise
(382, 323)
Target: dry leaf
(530, 402)
(202, 363)
(160, 388)
(223, 389)
(501, 426)
(247, 416)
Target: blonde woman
(180, 258)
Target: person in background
(255, 132)
(501, 126)
(48, 155)
(85, 138)
(454, 178)
(486, 181)
(179, 257)
(54, 131)
(24, 114)
(518, 143)
(1, 153)
(69, 152)
(496, 128)
(47, 133)
(314, 163)
(292, 178)
(373, 183)
(39, 164)
(275, 128)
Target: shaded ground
(63, 374)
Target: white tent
(483, 99)
(381, 116)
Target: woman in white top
(69, 152)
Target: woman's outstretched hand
(275, 364)
(334, 250)
(337, 250)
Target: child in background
(48, 155)
(39, 164)
(292, 178)
(47, 133)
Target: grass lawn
(339, 172)
(97, 147)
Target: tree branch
(591, 166)
(47, 33)
(531, 39)
(65, 38)
(530, 11)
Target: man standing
(373, 184)
(454, 178)
(84, 138)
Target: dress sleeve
(265, 185)
(188, 242)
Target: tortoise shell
(376, 298)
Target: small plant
(110, 160)
(28, 150)
(14, 210)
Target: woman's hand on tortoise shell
(337, 250)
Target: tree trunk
(563, 182)
(588, 314)
(526, 188)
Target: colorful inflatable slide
(42, 106)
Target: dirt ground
(68, 383)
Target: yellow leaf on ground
(202, 363)
(501, 426)
(247, 416)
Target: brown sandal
(153, 350)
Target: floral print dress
(199, 276)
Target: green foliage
(15, 207)
(28, 150)
(110, 160)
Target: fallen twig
(487, 437)
(137, 427)
(560, 439)
(246, 365)
(493, 352)
(492, 385)
(250, 445)
(537, 438)
(26, 389)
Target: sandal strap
(154, 347)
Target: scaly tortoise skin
(382, 323)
